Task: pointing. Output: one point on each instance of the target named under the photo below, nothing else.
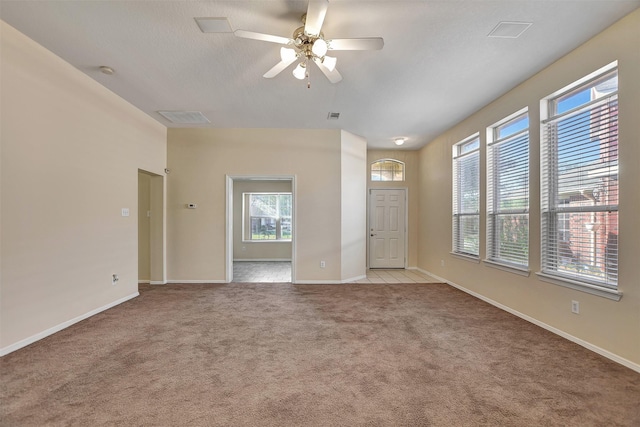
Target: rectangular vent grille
(185, 117)
(333, 116)
(214, 25)
(509, 30)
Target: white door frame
(229, 220)
(406, 222)
(158, 228)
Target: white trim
(37, 337)
(204, 281)
(319, 282)
(522, 271)
(600, 291)
(158, 282)
(355, 279)
(262, 259)
(592, 76)
(229, 229)
(601, 351)
(229, 220)
(144, 282)
(466, 257)
(331, 282)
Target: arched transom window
(387, 170)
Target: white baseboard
(144, 282)
(25, 342)
(263, 260)
(355, 279)
(330, 282)
(319, 282)
(204, 281)
(157, 282)
(601, 351)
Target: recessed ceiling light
(509, 30)
(106, 70)
(214, 25)
(185, 117)
(399, 141)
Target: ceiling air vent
(185, 117)
(333, 116)
(509, 30)
(213, 25)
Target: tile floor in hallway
(278, 272)
(262, 271)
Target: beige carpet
(319, 355)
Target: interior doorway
(260, 229)
(387, 228)
(151, 258)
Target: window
(267, 216)
(579, 182)
(387, 170)
(508, 191)
(466, 197)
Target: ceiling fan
(308, 44)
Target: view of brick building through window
(588, 228)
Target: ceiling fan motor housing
(304, 42)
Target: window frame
(556, 211)
(462, 150)
(494, 171)
(399, 163)
(247, 218)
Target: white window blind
(579, 183)
(466, 197)
(508, 192)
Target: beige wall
(256, 250)
(200, 159)
(412, 172)
(611, 326)
(354, 207)
(71, 151)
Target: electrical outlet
(575, 307)
(322, 264)
(441, 263)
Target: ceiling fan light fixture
(300, 71)
(330, 62)
(319, 48)
(399, 141)
(287, 54)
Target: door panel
(387, 228)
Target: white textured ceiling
(436, 68)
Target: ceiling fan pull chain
(308, 80)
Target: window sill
(267, 241)
(600, 291)
(522, 271)
(466, 257)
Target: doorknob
(372, 235)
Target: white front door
(387, 228)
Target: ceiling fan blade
(278, 68)
(316, 12)
(334, 76)
(262, 37)
(369, 43)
